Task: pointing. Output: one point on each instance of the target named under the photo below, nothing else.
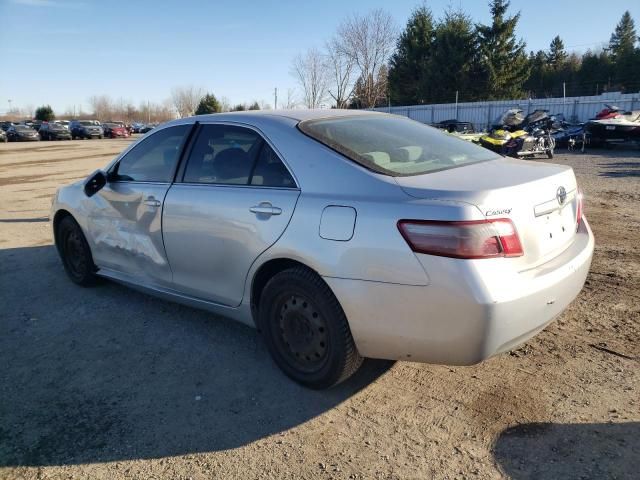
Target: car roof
(298, 115)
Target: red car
(114, 130)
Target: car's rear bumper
(460, 319)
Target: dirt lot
(109, 383)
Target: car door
(125, 217)
(231, 201)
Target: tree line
(183, 102)
(438, 60)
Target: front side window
(393, 145)
(153, 159)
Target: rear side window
(230, 155)
(393, 145)
(270, 171)
(153, 159)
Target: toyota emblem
(561, 195)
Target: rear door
(231, 201)
(125, 216)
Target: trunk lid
(529, 193)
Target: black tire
(101, 137)
(549, 153)
(306, 330)
(75, 253)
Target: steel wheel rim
(74, 253)
(301, 333)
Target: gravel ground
(109, 383)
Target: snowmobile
(522, 136)
(505, 128)
(567, 135)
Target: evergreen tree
(409, 67)
(536, 84)
(624, 37)
(625, 54)
(557, 55)
(595, 72)
(254, 106)
(505, 66)
(45, 113)
(208, 104)
(452, 58)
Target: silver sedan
(339, 234)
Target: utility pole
(9, 111)
(456, 104)
(275, 98)
(564, 92)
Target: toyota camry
(339, 234)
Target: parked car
(85, 129)
(136, 127)
(114, 130)
(340, 234)
(22, 133)
(54, 131)
(3, 136)
(5, 126)
(146, 128)
(456, 126)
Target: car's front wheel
(306, 330)
(75, 252)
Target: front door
(125, 222)
(232, 202)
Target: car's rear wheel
(306, 330)
(75, 252)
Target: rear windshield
(394, 145)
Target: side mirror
(94, 183)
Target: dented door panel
(126, 229)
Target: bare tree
(369, 41)
(186, 99)
(225, 104)
(310, 72)
(340, 67)
(102, 107)
(291, 101)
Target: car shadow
(619, 169)
(106, 373)
(551, 451)
(24, 220)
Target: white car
(339, 234)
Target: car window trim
(115, 165)
(186, 152)
(264, 139)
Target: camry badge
(561, 195)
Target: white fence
(483, 114)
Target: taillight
(463, 239)
(579, 208)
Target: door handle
(265, 208)
(152, 202)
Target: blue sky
(62, 52)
